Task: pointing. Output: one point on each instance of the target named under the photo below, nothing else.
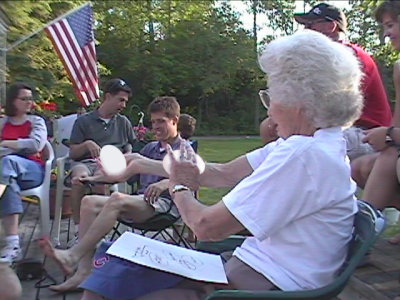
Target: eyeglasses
(264, 97)
(25, 98)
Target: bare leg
(93, 229)
(382, 187)
(78, 190)
(91, 207)
(361, 167)
(10, 287)
(88, 295)
(10, 223)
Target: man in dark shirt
(102, 212)
(103, 126)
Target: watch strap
(179, 188)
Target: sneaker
(72, 242)
(10, 253)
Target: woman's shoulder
(35, 119)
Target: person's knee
(358, 172)
(116, 201)
(388, 157)
(361, 168)
(91, 204)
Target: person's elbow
(73, 154)
(205, 229)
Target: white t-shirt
(299, 205)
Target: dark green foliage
(197, 51)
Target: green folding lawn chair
(368, 225)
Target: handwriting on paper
(166, 257)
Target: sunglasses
(264, 97)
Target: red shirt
(14, 132)
(376, 111)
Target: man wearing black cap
(103, 126)
(331, 21)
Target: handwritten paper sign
(174, 259)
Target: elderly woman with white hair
(295, 196)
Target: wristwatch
(179, 188)
(388, 139)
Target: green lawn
(222, 150)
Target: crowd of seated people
(309, 133)
(304, 127)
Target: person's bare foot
(72, 283)
(64, 259)
(395, 241)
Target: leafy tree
(34, 60)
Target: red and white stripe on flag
(73, 39)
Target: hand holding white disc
(167, 161)
(112, 160)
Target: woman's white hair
(324, 76)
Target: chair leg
(115, 231)
(58, 211)
(45, 215)
(181, 237)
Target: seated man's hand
(93, 148)
(376, 137)
(101, 177)
(154, 191)
(79, 180)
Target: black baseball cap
(115, 85)
(323, 11)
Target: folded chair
(368, 225)
(158, 226)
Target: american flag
(73, 39)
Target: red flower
(46, 105)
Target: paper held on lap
(166, 257)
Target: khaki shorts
(162, 205)
(89, 163)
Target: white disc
(167, 162)
(112, 160)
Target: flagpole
(15, 44)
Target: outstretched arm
(215, 175)
(207, 222)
